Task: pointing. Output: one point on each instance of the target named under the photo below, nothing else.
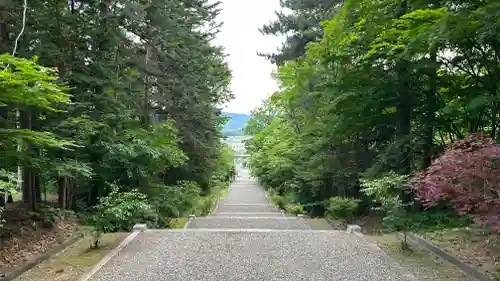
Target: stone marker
(354, 228)
(140, 227)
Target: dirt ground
(24, 240)
(472, 245)
(422, 264)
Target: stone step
(246, 214)
(253, 208)
(245, 200)
(248, 223)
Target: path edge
(131, 237)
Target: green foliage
(435, 219)
(342, 208)
(279, 201)
(142, 115)
(49, 216)
(386, 193)
(295, 208)
(8, 182)
(25, 82)
(371, 95)
(119, 211)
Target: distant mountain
(237, 123)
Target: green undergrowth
(286, 204)
(206, 204)
(178, 223)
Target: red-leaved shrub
(467, 175)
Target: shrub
(174, 201)
(467, 175)
(386, 193)
(204, 206)
(120, 211)
(295, 208)
(342, 208)
(278, 201)
(50, 216)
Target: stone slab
(247, 208)
(247, 214)
(241, 222)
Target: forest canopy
(379, 91)
(113, 98)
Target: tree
(300, 27)
(129, 96)
(382, 87)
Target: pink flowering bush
(467, 176)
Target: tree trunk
(31, 185)
(430, 116)
(403, 114)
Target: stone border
(422, 243)
(333, 223)
(43, 257)
(138, 228)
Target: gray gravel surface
(250, 256)
(263, 223)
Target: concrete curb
(137, 230)
(191, 218)
(59, 249)
(422, 243)
(216, 205)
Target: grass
(178, 223)
(73, 262)
(422, 264)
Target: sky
(251, 82)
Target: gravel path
(250, 256)
(247, 239)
